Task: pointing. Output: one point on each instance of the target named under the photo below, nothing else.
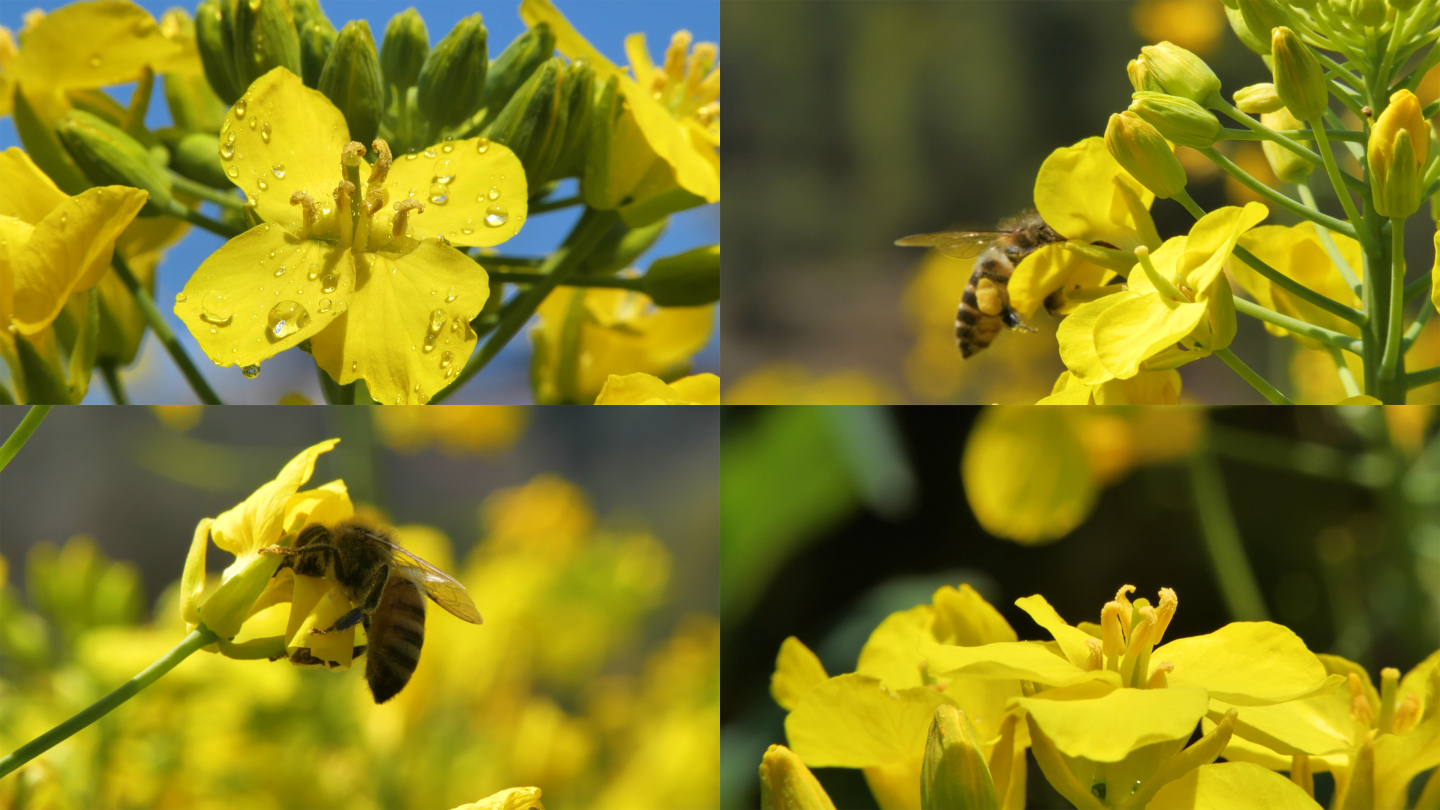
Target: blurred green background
(832, 518)
(850, 125)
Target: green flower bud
(515, 64)
(533, 123)
(406, 45)
(1262, 17)
(196, 155)
(1258, 98)
(1287, 165)
(1182, 73)
(317, 42)
(451, 85)
(264, 39)
(1299, 79)
(1398, 148)
(1403, 5)
(213, 39)
(689, 279)
(307, 13)
(1180, 120)
(109, 157)
(619, 249)
(579, 102)
(1369, 13)
(352, 80)
(1248, 38)
(1142, 150)
(786, 784)
(193, 105)
(954, 773)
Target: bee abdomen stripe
(416, 609)
(967, 315)
(410, 633)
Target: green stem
(1417, 287)
(1347, 378)
(1276, 197)
(1227, 134)
(1299, 327)
(588, 232)
(1268, 134)
(1391, 358)
(1190, 205)
(1248, 374)
(21, 434)
(1357, 150)
(1307, 195)
(1428, 376)
(198, 638)
(198, 219)
(1413, 333)
(611, 282)
(185, 185)
(116, 386)
(546, 206)
(1299, 290)
(1333, 169)
(162, 332)
(509, 261)
(1222, 538)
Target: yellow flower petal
(30, 194)
(1026, 475)
(1072, 640)
(1021, 660)
(287, 138)
(644, 389)
(854, 721)
(696, 165)
(258, 521)
(1245, 663)
(1227, 785)
(241, 313)
(328, 504)
(890, 654)
(797, 671)
(401, 299)
(1097, 722)
(962, 616)
(1076, 336)
(1211, 240)
(482, 204)
(700, 389)
(1050, 268)
(567, 40)
(93, 44)
(517, 798)
(192, 579)
(1298, 253)
(1135, 330)
(1315, 726)
(1076, 194)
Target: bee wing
(442, 588)
(955, 244)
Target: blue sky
(606, 23)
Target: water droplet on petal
(438, 194)
(280, 271)
(430, 152)
(262, 184)
(264, 132)
(429, 343)
(286, 318)
(450, 296)
(445, 360)
(482, 145)
(233, 172)
(216, 309)
(227, 151)
(252, 122)
(444, 171)
(455, 326)
(313, 274)
(496, 215)
(354, 365)
(329, 283)
(240, 109)
(278, 169)
(325, 305)
(95, 61)
(447, 148)
(180, 296)
(493, 193)
(437, 321)
(250, 371)
(411, 156)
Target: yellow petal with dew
(1074, 193)
(473, 190)
(287, 138)
(1133, 331)
(30, 194)
(407, 332)
(797, 671)
(242, 313)
(1245, 664)
(642, 67)
(567, 40)
(1227, 785)
(68, 251)
(1211, 241)
(1026, 475)
(94, 44)
(1072, 640)
(1076, 336)
(892, 654)
(1022, 660)
(854, 721)
(1094, 721)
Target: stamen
(1096, 655)
(701, 60)
(1159, 679)
(1166, 611)
(382, 162)
(307, 208)
(342, 194)
(342, 212)
(675, 56)
(1301, 774)
(1360, 709)
(374, 201)
(403, 209)
(1407, 714)
(351, 154)
(1137, 652)
(1124, 602)
(1113, 634)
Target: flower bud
(1142, 150)
(110, 157)
(317, 41)
(1399, 145)
(1182, 73)
(196, 155)
(1140, 79)
(213, 37)
(307, 13)
(786, 784)
(1180, 120)
(690, 279)
(264, 39)
(1287, 165)
(1299, 80)
(532, 124)
(1403, 5)
(451, 84)
(954, 772)
(194, 107)
(351, 80)
(1258, 98)
(515, 64)
(1253, 41)
(406, 45)
(579, 102)
(1369, 13)
(1261, 17)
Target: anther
(675, 55)
(307, 208)
(343, 192)
(701, 60)
(382, 162)
(351, 154)
(1407, 714)
(1124, 602)
(1095, 655)
(374, 201)
(1360, 709)
(403, 209)
(1112, 632)
(1163, 614)
(1159, 679)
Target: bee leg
(372, 601)
(359, 651)
(1012, 320)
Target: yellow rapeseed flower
(520, 798)
(1298, 253)
(368, 276)
(644, 389)
(1145, 388)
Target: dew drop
(227, 151)
(324, 304)
(286, 318)
(411, 156)
(216, 309)
(240, 109)
(264, 132)
(450, 296)
(444, 171)
(429, 344)
(329, 283)
(252, 122)
(95, 61)
(447, 148)
(313, 274)
(446, 360)
(280, 271)
(250, 371)
(423, 398)
(213, 330)
(493, 193)
(482, 145)
(354, 365)
(233, 172)
(455, 326)
(438, 193)
(262, 184)
(180, 296)
(412, 192)
(278, 168)
(496, 215)
(437, 321)
(430, 152)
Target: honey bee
(985, 306)
(387, 582)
